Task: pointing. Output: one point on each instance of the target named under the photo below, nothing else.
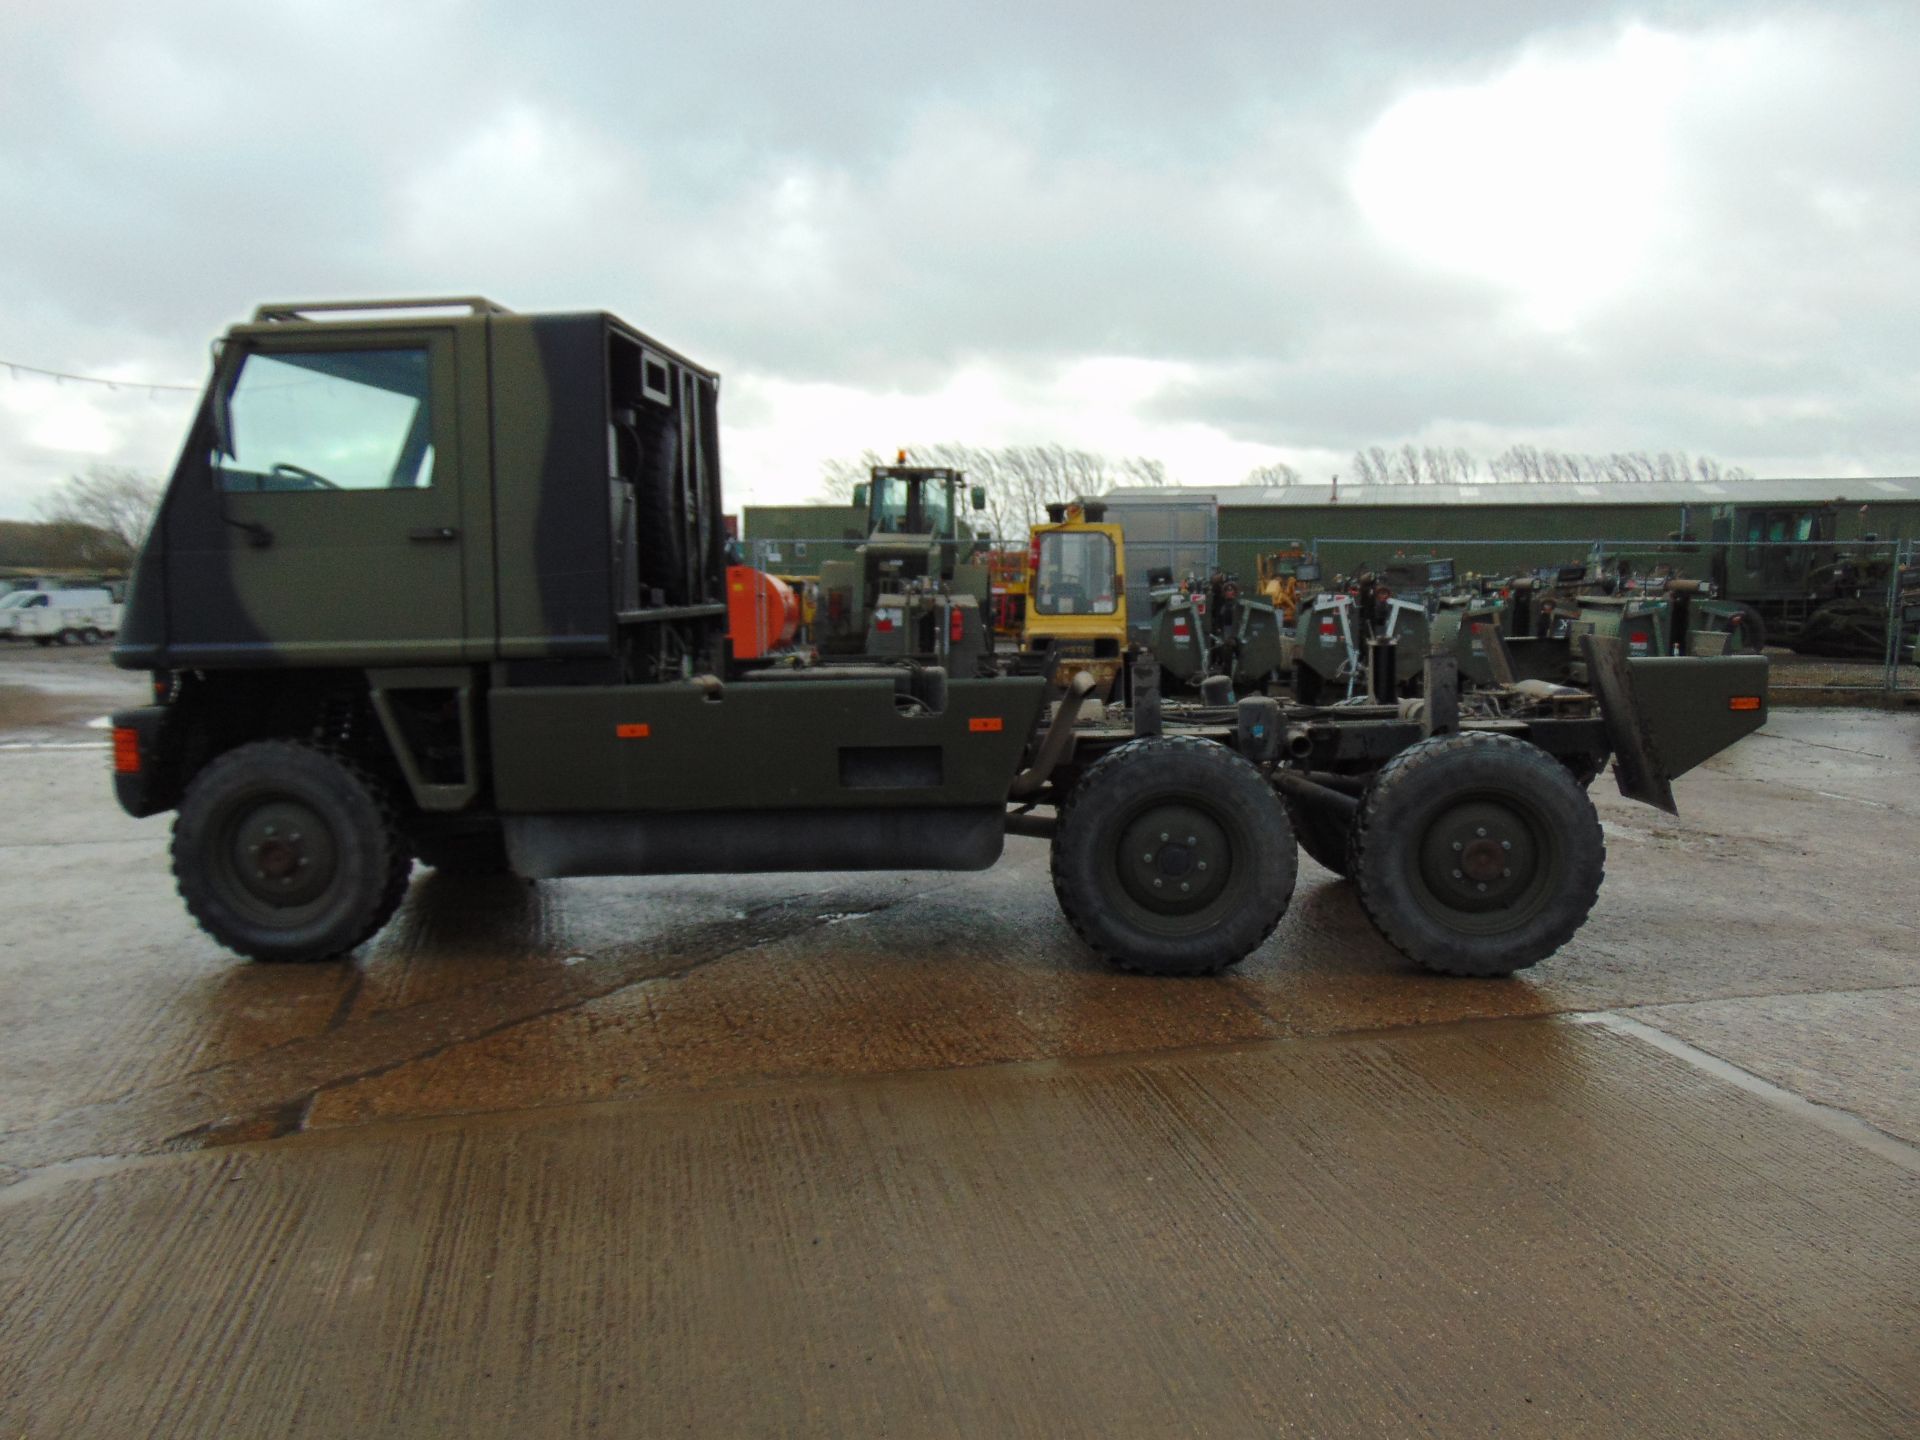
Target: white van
(71, 617)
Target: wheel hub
(282, 853)
(1175, 858)
(1479, 855)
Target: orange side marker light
(986, 724)
(126, 750)
(1744, 702)
(632, 732)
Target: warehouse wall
(795, 539)
(1551, 534)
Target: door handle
(431, 533)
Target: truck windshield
(1076, 574)
(330, 420)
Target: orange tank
(763, 613)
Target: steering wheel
(300, 472)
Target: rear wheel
(1173, 857)
(285, 852)
(1477, 854)
(89, 636)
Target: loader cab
(1078, 601)
(914, 521)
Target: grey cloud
(876, 195)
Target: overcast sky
(1219, 235)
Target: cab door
(338, 535)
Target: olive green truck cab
(438, 582)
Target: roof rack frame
(472, 304)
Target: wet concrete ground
(891, 1154)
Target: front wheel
(285, 852)
(1477, 854)
(1173, 857)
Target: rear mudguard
(1666, 714)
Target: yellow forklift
(1077, 598)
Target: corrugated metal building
(1518, 526)
(795, 539)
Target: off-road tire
(236, 805)
(478, 854)
(1324, 835)
(1102, 873)
(1476, 789)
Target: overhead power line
(15, 369)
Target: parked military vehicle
(1208, 636)
(1782, 571)
(449, 584)
(918, 587)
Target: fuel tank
(763, 613)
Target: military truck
(1781, 576)
(438, 582)
(918, 586)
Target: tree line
(1020, 480)
(95, 521)
(1518, 464)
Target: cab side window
(329, 420)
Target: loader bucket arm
(1666, 714)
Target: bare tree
(1278, 473)
(1020, 480)
(117, 502)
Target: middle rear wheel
(1173, 857)
(1477, 853)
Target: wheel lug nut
(1148, 857)
(1456, 874)
(1483, 886)
(1192, 841)
(1203, 864)
(1158, 883)
(1480, 830)
(1184, 887)
(1506, 844)
(303, 862)
(271, 830)
(1505, 874)
(1456, 845)
(295, 835)
(1163, 836)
